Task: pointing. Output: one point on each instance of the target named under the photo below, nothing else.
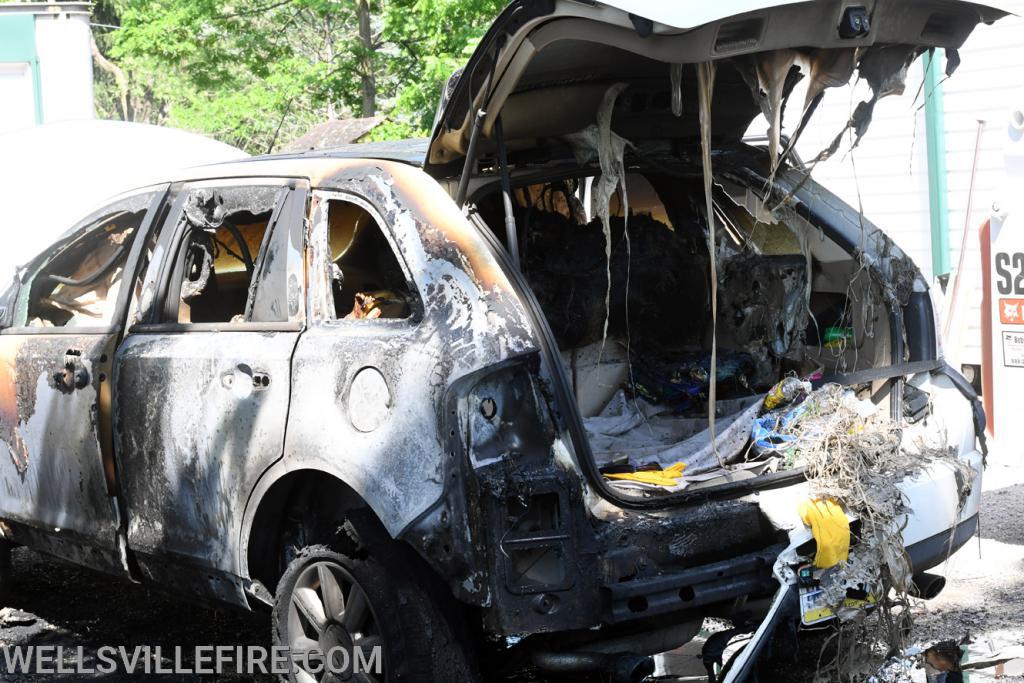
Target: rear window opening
(367, 281)
(791, 302)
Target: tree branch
(256, 11)
(280, 122)
(117, 72)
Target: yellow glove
(830, 528)
(666, 477)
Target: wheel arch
(281, 493)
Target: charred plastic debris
(704, 353)
(947, 661)
(629, 294)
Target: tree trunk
(332, 112)
(119, 78)
(369, 80)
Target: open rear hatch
(544, 66)
(577, 130)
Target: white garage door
(18, 96)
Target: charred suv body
(386, 386)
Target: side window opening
(79, 286)
(226, 230)
(367, 281)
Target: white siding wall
(65, 65)
(988, 86)
(890, 165)
(18, 110)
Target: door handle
(242, 380)
(74, 375)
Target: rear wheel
(365, 613)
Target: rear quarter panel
(470, 319)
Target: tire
(417, 642)
(6, 571)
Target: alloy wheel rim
(329, 609)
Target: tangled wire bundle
(857, 460)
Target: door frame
(56, 539)
(171, 241)
(290, 212)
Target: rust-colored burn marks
(401, 189)
(454, 268)
(50, 425)
(11, 397)
(470, 319)
(440, 221)
(435, 210)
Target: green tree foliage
(260, 73)
(434, 38)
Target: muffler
(928, 585)
(615, 668)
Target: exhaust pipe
(617, 668)
(929, 585)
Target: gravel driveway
(984, 594)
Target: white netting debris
(855, 455)
(598, 141)
(706, 84)
(676, 77)
(898, 669)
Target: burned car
(557, 384)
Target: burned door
(202, 383)
(365, 371)
(57, 479)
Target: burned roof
(411, 151)
(330, 134)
